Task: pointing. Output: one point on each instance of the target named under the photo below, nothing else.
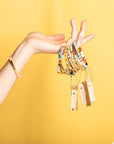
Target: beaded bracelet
(73, 70)
(68, 64)
(70, 69)
(60, 68)
(72, 58)
(81, 57)
(19, 74)
(75, 59)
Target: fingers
(74, 29)
(57, 37)
(36, 34)
(86, 39)
(51, 39)
(56, 47)
(61, 44)
(81, 33)
(73, 33)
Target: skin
(36, 43)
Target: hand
(40, 43)
(79, 38)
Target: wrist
(21, 55)
(28, 46)
(31, 43)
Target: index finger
(73, 32)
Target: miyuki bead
(78, 50)
(71, 72)
(83, 58)
(82, 54)
(76, 56)
(60, 51)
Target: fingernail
(85, 21)
(93, 35)
(73, 20)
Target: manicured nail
(93, 35)
(73, 20)
(85, 21)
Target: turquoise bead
(76, 56)
(59, 56)
(60, 51)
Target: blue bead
(76, 56)
(71, 72)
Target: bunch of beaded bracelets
(74, 58)
(70, 69)
(19, 74)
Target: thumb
(63, 43)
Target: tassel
(87, 96)
(74, 98)
(58, 68)
(61, 69)
(82, 93)
(91, 91)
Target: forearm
(7, 74)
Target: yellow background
(37, 109)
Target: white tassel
(91, 91)
(82, 93)
(74, 98)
